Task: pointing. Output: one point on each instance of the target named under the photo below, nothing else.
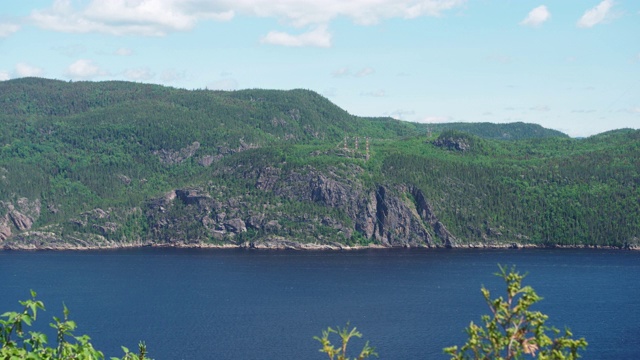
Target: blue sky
(570, 65)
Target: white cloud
(375, 93)
(159, 17)
(319, 37)
(544, 108)
(342, 72)
(365, 12)
(70, 50)
(365, 72)
(596, 15)
(122, 17)
(8, 29)
(84, 69)
(25, 70)
(537, 16)
(171, 75)
(139, 74)
(400, 114)
(436, 119)
(123, 52)
(224, 84)
(4, 75)
(345, 71)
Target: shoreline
(292, 245)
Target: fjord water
(241, 304)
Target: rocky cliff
(389, 216)
(113, 164)
(335, 209)
(18, 215)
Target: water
(241, 304)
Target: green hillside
(107, 164)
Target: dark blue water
(234, 304)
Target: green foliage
(552, 191)
(345, 334)
(80, 146)
(513, 331)
(512, 131)
(16, 344)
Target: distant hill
(260, 115)
(510, 131)
(110, 164)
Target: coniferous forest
(110, 164)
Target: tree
(345, 335)
(513, 331)
(15, 344)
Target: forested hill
(260, 116)
(109, 164)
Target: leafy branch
(345, 335)
(513, 331)
(15, 344)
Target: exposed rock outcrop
(381, 215)
(387, 215)
(5, 229)
(267, 178)
(391, 216)
(207, 160)
(426, 213)
(235, 225)
(170, 157)
(107, 228)
(22, 214)
(192, 196)
(21, 221)
(124, 179)
(453, 143)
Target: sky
(569, 65)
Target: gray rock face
(22, 214)
(21, 221)
(176, 157)
(124, 179)
(5, 229)
(396, 223)
(383, 214)
(107, 228)
(267, 178)
(328, 191)
(272, 225)
(207, 160)
(392, 216)
(453, 143)
(426, 213)
(235, 225)
(255, 221)
(192, 196)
